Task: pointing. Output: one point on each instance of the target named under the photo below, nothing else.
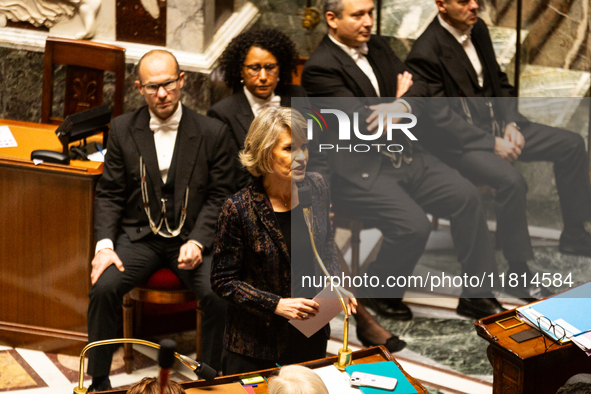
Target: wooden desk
(370, 355)
(526, 367)
(46, 244)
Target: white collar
(353, 52)
(459, 35)
(257, 101)
(175, 118)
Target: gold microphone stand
(80, 389)
(345, 357)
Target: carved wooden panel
(84, 89)
(46, 245)
(508, 372)
(141, 21)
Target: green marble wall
(21, 79)
(21, 84)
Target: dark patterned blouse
(251, 266)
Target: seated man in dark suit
(393, 192)
(484, 136)
(167, 173)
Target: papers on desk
(569, 310)
(6, 138)
(98, 156)
(330, 306)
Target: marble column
(185, 25)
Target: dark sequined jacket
(251, 266)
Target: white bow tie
(260, 105)
(362, 50)
(170, 124)
(464, 38)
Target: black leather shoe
(103, 386)
(393, 344)
(478, 308)
(580, 246)
(391, 307)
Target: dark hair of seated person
(271, 40)
(151, 386)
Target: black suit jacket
(204, 164)
(439, 59)
(235, 111)
(330, 72)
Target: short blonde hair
(295, 379)
(151, 386)
(264, 133)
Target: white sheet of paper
(97, 156)
(583, 341)
(6, 138)
(330, 306)
(336, 382)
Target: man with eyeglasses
(167, 172)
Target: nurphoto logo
(392, 124)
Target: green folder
(385, 368)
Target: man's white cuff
(105, 243)
(406, 104)
(196, 243)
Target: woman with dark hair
(272, 41)
(258, 67)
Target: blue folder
(572, 306)
(386, 368)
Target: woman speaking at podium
(257, 230)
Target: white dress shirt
(465, 40)
(258, 104)
(358, 56)
(165, 132)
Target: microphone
(165, 361)
(206, 372)
(305, 197)
(345, 357)
(200, 369)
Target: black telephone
(78, 152)
(50, 156)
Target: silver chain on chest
(145, 198)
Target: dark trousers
(299, 349)
(542, 143)
(396, 204)
(141, 259)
